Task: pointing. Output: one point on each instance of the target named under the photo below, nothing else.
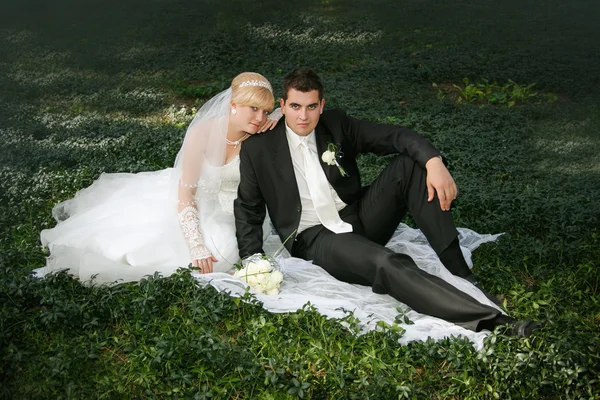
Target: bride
(126, 226)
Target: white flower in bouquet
(261, 274)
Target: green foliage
(78, 98)
(196, 90)
(509, 94)
(470, 92)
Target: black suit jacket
(267, 173)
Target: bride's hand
(267, 124)
(270, 121)
(205, 265)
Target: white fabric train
(304, 282)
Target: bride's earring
(233, 111)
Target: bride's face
(247, 118)
(302, 110)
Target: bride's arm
(272, 120)
(189, 218)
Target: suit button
(298, 209)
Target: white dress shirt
(309, 215)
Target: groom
(305, 172)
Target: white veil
(203, 147)
(125, 226)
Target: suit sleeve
(249, 209)
(384, 139)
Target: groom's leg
(353, 258)
(402, 187)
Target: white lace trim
(190, 225)
(276, 114)
(189, 186)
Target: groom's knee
(400, 168)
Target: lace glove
(275, 115)
(270, 122)
(190, 225)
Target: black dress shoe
(523, 328)
(510, 326)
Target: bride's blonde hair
(252, 89)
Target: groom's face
(302, 110)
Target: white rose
(260, 288)
(328, 157)
(246, 275)
(252, 269)
(240, 273)
(277, 277)
(270, 283)
(264, 266)
(272, 292)
(252, 280)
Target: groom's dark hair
(303, 80)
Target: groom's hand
(439, 180)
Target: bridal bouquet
(261, 273)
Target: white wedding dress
(125, 226)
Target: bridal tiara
(256, 83)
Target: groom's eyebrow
(292, 104)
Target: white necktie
(318, 186)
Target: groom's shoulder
(257, 141)
(334, 119)
(333, 114)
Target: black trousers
(361, 256)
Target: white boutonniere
(331, 155)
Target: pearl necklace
(236, 143)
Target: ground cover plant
(101, 86)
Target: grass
(92, 87)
